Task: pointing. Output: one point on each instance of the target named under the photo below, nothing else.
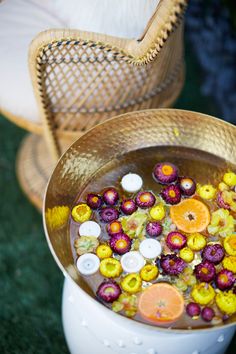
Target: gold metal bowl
(111, 140)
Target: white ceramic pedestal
(92, 329)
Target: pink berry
(193, 309)
(207, 314)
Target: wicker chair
(81, 79)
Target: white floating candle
(150, 248)
(90, 228)
(88, 264)
(132, 262)
(131, 182)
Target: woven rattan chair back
(81, 78)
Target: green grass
(30, 282)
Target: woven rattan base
(34, 167)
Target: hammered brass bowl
(109, 141)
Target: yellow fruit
(186, 254)
(203, 293)
(157, 212)
(196, 241)
(104, 251)
(149, 272)
(230, 178)
(81, 212)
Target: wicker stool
(81, 79)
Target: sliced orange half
(190, 215)
(161, 303)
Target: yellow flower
(157, 212)
(230, 263)
(196, 241)
(186, 254)
(126, 303)
(131, 283)
(81, 212)
(185, 279)
(104, 251)
(110, 268)
(229, 197)
(223, 187)
(149, 272)
(226, 301)
(230, 178)
(222, 223)
(230, 244)
(203, 293)
(57, 216)
(207, 191)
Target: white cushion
(22, 20)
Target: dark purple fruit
(171, 194)
(225, 279)
(172, 264)
(187, 186)
(193, 309)
(165, 173)
(108, 291)
(128, 206)
(145, 199)
(175, 240)
(110, 196)
(94, 201)
(109, 214)
(205, 271)
(154, 228)
(120, 243)
(207, 314)
(213, 253)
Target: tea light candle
(150, 248)
(131, 182)
(132, 262)
(88, 264)
(90, 228)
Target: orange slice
(190, 215)
(161, 303)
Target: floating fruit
(94, 201)
(207, 191)
(187, 186)
(108, 291)
(110, 196)
(128, 206)
(221, 202)
(109, 214)
(114, 228)
(165, 173)
(205, 271)
(149, 272)
(110, 268)
(186, 254)
(203, 293)
(172, 264)
(196, 241)
(207, 314)
(161, 303)
(226, 302)
(153, 228)
(230, 179)
(230, 245)
(213, 253)
(229, 263)
(90, 228)
(85, 244)
(81, 212)
(193, 309)
(150, 248)
(225, 279)
(175, 240)
(120, 243)
(88, 264)
(171, 194)
(104, 251)
(131, 283)
(190, 215)
(132, 262)
(131, 182)
(145, 199)
(157, 212)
